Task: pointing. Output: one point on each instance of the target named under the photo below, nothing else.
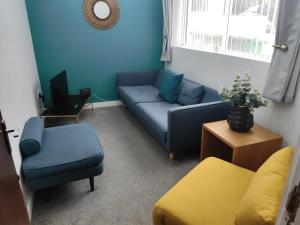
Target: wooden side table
(249, 150)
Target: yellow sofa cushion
(208, 195)
(261, 202)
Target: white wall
(216, 70)
(18, 74)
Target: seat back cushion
(169, 86)
(158, 78)
(261, 202)
(190, 93)
(161, 73)
(32, 136)
(210, 95)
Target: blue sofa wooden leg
(92, 183)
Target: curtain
(285, 65)
(166, 48)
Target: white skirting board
(104, 104)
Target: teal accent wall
(63, 39)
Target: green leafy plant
(241, 93)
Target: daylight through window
(244, 28)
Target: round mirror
(102, 10)
(101, 14)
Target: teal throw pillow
(169, 86)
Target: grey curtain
(166, 48)
(285, 65)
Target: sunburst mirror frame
(102, 24)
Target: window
(244, 28)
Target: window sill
(223, 54)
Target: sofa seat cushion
(209, 194)
(155, 116)
(139, 94)
(64, 149)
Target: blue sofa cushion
(190, 93)
(169, 86)
(137, 78)
(64, 149)
(139, 94)
(210, 95)
(32, 136)
(158, 78)
(155, 115)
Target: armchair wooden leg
(172, 156)
(92, 183)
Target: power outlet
(40, 98)
(38, 92)
(39, 95)
(85, 91)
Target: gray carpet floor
(137, 172)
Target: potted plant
(244, 100)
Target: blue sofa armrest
(185, 123)
(137, 78)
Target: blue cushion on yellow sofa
(32, 136)
(169, 86)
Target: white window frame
(224, 43)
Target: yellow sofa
(219, 193)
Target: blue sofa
(57, 155)
(176, 127)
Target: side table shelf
(249, 150)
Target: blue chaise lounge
(177, 126)
(57, 155)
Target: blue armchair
(57, 155)
(177, 127)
